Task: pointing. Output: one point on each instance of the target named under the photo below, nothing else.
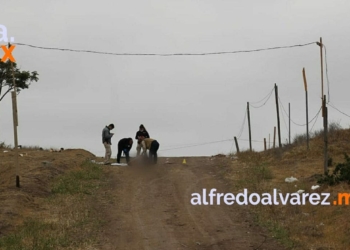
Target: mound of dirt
(36, 170)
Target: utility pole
(289, 120)
(307, 110)
(321, 54)
(15, 122)
(278, 117)
(250, 134)
(325, 133)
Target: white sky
(181, 100)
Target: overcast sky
(181, 100)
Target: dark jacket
(139, 133)
(106, 136)
(124, 144)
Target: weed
(4, 145)
(263, 172)
(341, 173)
(333, 128)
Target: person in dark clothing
(124, 145)
(142, 132)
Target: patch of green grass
(253, 176)
(262, 172)
(33, 234)
(277, 231)
(78, 181)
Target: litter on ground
(112, 164)
(291, 179)
(315, 187)
(119, 164)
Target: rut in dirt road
(150, 208)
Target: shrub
(341, 173)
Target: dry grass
(302, 226)
(54, 208)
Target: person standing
(152, 145)
(142, 131)
(124, 145)
(107, 142)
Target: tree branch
(6, 93)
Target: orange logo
(8, 53)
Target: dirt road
(150, 208)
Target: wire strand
(301, 125)
(242, 127)
(166, 54)
(315, 120)
(284, 121)
(264, 102)
(325, 53)
(248, 140)
(196, 145)
(265, 96)
(338, 110)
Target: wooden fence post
(250, 134)
(237, 148)
(278, 117)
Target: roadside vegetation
(69, 220)
(300, 226)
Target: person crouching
(152, 145)
(124, 145)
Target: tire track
(141, 199)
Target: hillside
(300, 226)
(67, 202)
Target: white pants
(108, 152)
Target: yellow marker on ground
(184, 161)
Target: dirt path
(150, 208)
